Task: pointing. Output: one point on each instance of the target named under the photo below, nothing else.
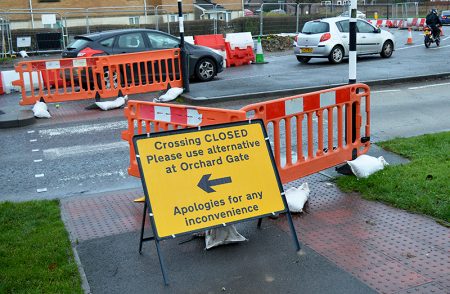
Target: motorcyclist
(433, 22)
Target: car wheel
(336, 54)
(303, 59)
(427, 42)
(205, 70)
(107, 79)
(387, 49)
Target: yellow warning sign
(196, 179)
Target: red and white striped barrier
(189, 116)
(416, 23)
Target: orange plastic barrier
(320, 117)
(1, 85)
(212, 41)
(100, 77)
(308, 132)
(238, 56)
(149, 117)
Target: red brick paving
(391, 250)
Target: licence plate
(307, 50)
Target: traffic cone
(259, 52)
(409, 41)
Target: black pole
(352, 65)
(184, 56)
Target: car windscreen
(446, 13)
(78, 44)
(315, 27)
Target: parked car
(204, 63)
(359, 14)
(329, 38)
(445, 17)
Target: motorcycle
(429, 38)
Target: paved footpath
(349, 245)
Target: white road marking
(410, 46)
(54, 153)
(120, 172)
(37, 160)
(445, 38)
(84, 129)
(34, 150)
(384, 91)
(428, 86)
(39, 176)
(30, 132)
(440, 47)
(33, 140)
(41, 190)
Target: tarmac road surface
(63, 157)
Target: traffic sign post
(200, 178)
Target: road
(285, 72)
(53, 159)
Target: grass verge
(422, 186)
(35, 251)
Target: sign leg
(294, 234)
(259, 223)
(161, 262)
(142, 227)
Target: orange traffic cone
(409, 41)
(442, 31)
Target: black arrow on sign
(205, 183)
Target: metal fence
(259, 19)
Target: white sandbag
(107, 105)
(40, 110)
(170, 95)
(23, 53)
(365, 165)
(297, 197)
(221, 236)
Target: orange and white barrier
(318, 127)
(416, 23)
(398, 23)
(98, 77)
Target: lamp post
(184, 57)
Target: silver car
(329, 38)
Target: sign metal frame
(147, 205)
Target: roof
(208, 5)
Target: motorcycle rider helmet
(433, 10)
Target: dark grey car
(204, 64)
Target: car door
(159, 41)
(368, 40)
(343, 27)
